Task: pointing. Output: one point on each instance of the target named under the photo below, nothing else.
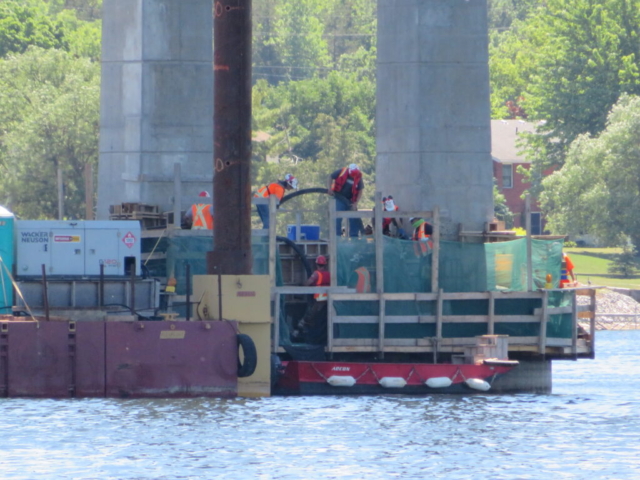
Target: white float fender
(477, 384)
(438, 382)
(341, 381)
(392, 382)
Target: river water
(589, 428)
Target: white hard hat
(291, 180)
(353, 167)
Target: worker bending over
(278, 189)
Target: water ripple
(588, 429)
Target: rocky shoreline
(624, 310)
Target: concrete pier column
(531, 376)
(156, 101)
(433, 111)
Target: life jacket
(424, 243)
(201, 217)
(339, 182)
(272, 189)
(386, 222)
(324, 280)
(364, 280)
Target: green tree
(49, 104)
(567, 63)
(597, 190)
(298, 36)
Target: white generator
(77, 248)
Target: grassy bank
(591, 265)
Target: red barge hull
(352, 378)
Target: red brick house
(506, 159)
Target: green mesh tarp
(181, 251)
(463, 267)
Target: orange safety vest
(424, 241)
(272, 189)
(324, 280)
(201, 217)
(364, 280)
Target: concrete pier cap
(433, 110)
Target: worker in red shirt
(348, 183)
(390, 206)
(278, 189)
(200, 215)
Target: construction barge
(458, 317)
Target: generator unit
(77, 248)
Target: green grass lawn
(591, 264)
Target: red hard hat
(204, 193)
(321, 260)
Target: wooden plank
(574, 323)
(338, 297)
(527, 210)
(375, 319)
(273, 244)
(355, 214)
(492, 314)
(295, 290)
(333, 240)
(379, 252)
(331, 316)
(439, 317)
(590, 315)
(276, 324)
(435, 257)
(542, 343)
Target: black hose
(299, 251)
(304, 191)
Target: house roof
(504, 137)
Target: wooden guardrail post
(542, 341)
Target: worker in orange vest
(278, 189)
(348, 183)
(422, 231)
(200, 215)
(566, 271)
(313, 326)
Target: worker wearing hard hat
(313, 326)
(422, 231)
(278, 189)
(390, 206)
(200, 215)
(347, 182)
